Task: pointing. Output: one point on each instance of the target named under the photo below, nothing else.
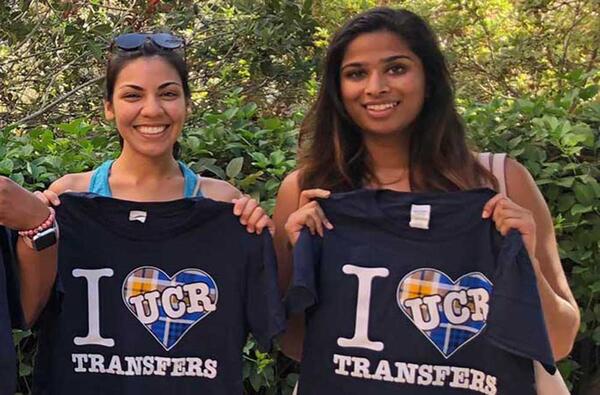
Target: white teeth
(151, 129)
(381, 107)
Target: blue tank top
(100, 186)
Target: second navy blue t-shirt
(416, 294)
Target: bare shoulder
(218, 190)
(289, 190)
(520, 185)
(287, 201)
(75, 182)
(522, 189)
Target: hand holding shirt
(155, 298)
(415, 293)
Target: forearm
(291, 341)
(37, 273)
(561, 317)
(283, 250)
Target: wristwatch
(42, 236)
(45, 239)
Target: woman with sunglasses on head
(172, 286)
(385, 122)
(148, 97)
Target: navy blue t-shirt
(10, 313)
(155, 298)
(416, 294)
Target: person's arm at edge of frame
(561, 312)
(37, 269)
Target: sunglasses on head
(134, 41)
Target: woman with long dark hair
(385, 118)
(158, 284)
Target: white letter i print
(363, 305)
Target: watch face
(44, 239)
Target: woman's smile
(151, 130)
(381, 110)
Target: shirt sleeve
(9, 242)
(515, 321)
(303, 292)
(264, 309)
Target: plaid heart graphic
(449, 313)
(169, 306)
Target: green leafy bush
(557, 139)
(251, 152)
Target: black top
(10, 312)
(393, 307)
(155, 298)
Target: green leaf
(193, 142)
(565, 202)
(271, 123)
(230, 113)
(18, 178)
(566, 182)
(77, 127)
(248, 346)
(584, 193)
(589, 92)
(216, 170)
(580, 269)
(25, 369)
(307, 7)
(249, 109)
(6, 166)
(272, 184)
(277, 157)
(595, 287)
(256, 381)
(580, 209)
(19, 335)
(234, 167)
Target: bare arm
(37, 273)
(294, 209)
(37, 270)
(526, 211)
(219, 190)
(21, 210)
(287, 202)
(560, 308)
(76, 182)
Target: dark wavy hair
(119, 59)
(332, 154)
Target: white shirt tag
(137, 215)
(419, 216)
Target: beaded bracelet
(47, 224)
